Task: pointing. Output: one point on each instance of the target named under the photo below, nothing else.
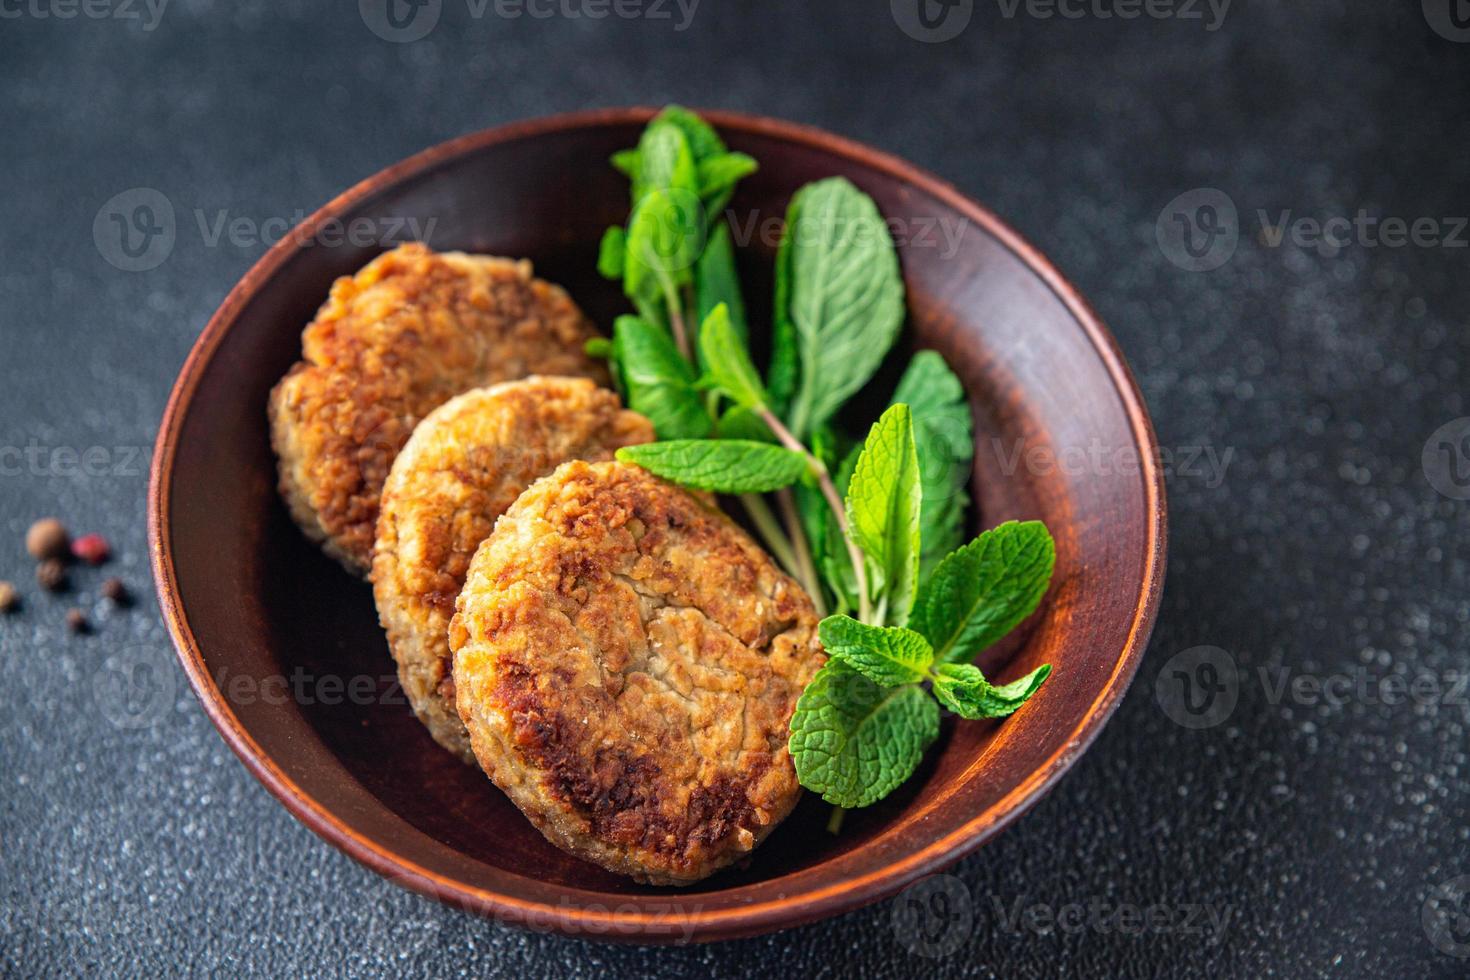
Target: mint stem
(834, 822)
(808, 575)
(692, 312)
(765, 522)
(829, 491)
(676, 323)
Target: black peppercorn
(51, 574)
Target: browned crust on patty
(626, 661)
(408, 332)
(467, 462)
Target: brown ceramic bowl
(284, 648)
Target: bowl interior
(286, 651)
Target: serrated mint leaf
(612, 253)
(963, 689)
(886, 655)
(943, 434)
(727, 361)
(845, 296)
(982, 591)
(599, 347)
(659, 383)
(883, 506)
(855, 742)
(721, 465)
(716, 280)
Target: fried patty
(468, 461)
(627, 660)
(411, 330)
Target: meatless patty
(468, 461)
(411, 330)
(626, 660)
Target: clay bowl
(284, 649)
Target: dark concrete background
(1322, 550)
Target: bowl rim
(781, 911)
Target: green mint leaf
(742, 423)
(607, 350)
(666, 162)
(659, 382)
(828, 545)
(721, 465)
(820, 524)
(846, 298)
(783, 372)
(982, 591)
(717, 179)
(886, 655)
(612, 253)
(665, 238)
(855, 742)
(725, 170)
(728, 363)
(701, 137)
(963, 689)
(943, 433)
(628, 163)
(716, 280)
(883, 506)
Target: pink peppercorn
(91, 548)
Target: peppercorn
(51, 574)
(76, 621)
(9, 598)
(91, 548)
(115, 590)
(47, 538)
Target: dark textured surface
(1324, 550)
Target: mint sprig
(871, 530)
(974, 597)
